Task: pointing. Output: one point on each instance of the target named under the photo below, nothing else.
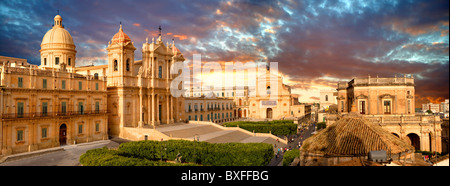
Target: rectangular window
(44, 83)
(342, 106)
(80, 85)
(96, 86)
(63, 84)
(44, 108)
(20, 82)
(44, 133)
(80, 108)
(45, 61)
(56, 60)
(20, 109)
(160, 72)
(97, 127)
(189, 117)
(409, 106)
(63, 107)
(362, 107)
(80, 129)
(20, 135)
(387, 107)
(97, 107)
(68, 61)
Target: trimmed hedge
(148, 153)
(277, 127)
(289, 156)
(215, 154)
(105, 157)
(321, 125)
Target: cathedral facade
(139, 90)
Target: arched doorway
(269, 113)
(415, 140)
(62, 134)
(239, 113)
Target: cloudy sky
(315, 42)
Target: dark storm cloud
(316, 42)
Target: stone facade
(275, 101)
(139, 90)
(49, 105)
(212, 109)
(389, 102)
(377, 96)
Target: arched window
(268, 90)
(326, 97)
(128, 64)
(115, 65)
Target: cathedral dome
(57, 35)
(120, 37)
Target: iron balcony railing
(51, 114)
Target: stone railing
(389, 119)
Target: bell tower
(120, 59)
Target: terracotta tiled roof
(354, 136)
(120, 37)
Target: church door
(269, 113)
(62, 134)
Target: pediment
(387, 96)
(361, 96)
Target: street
(69, 157)
(294, 145)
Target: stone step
(192, 131)
(235, 136)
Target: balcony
(35, 115)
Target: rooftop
(354, 136)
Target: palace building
(389, 102)
(50, 105)
(58, 103)
(212, 108)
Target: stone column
(168, 108)
(157, 110)
(141, 108)
(171, 109)
(149, 107)
(153, 108)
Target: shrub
(147, 153)
(222, 154)
(105, 157)
(289, 156)
(277, 127)
(321, 125)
